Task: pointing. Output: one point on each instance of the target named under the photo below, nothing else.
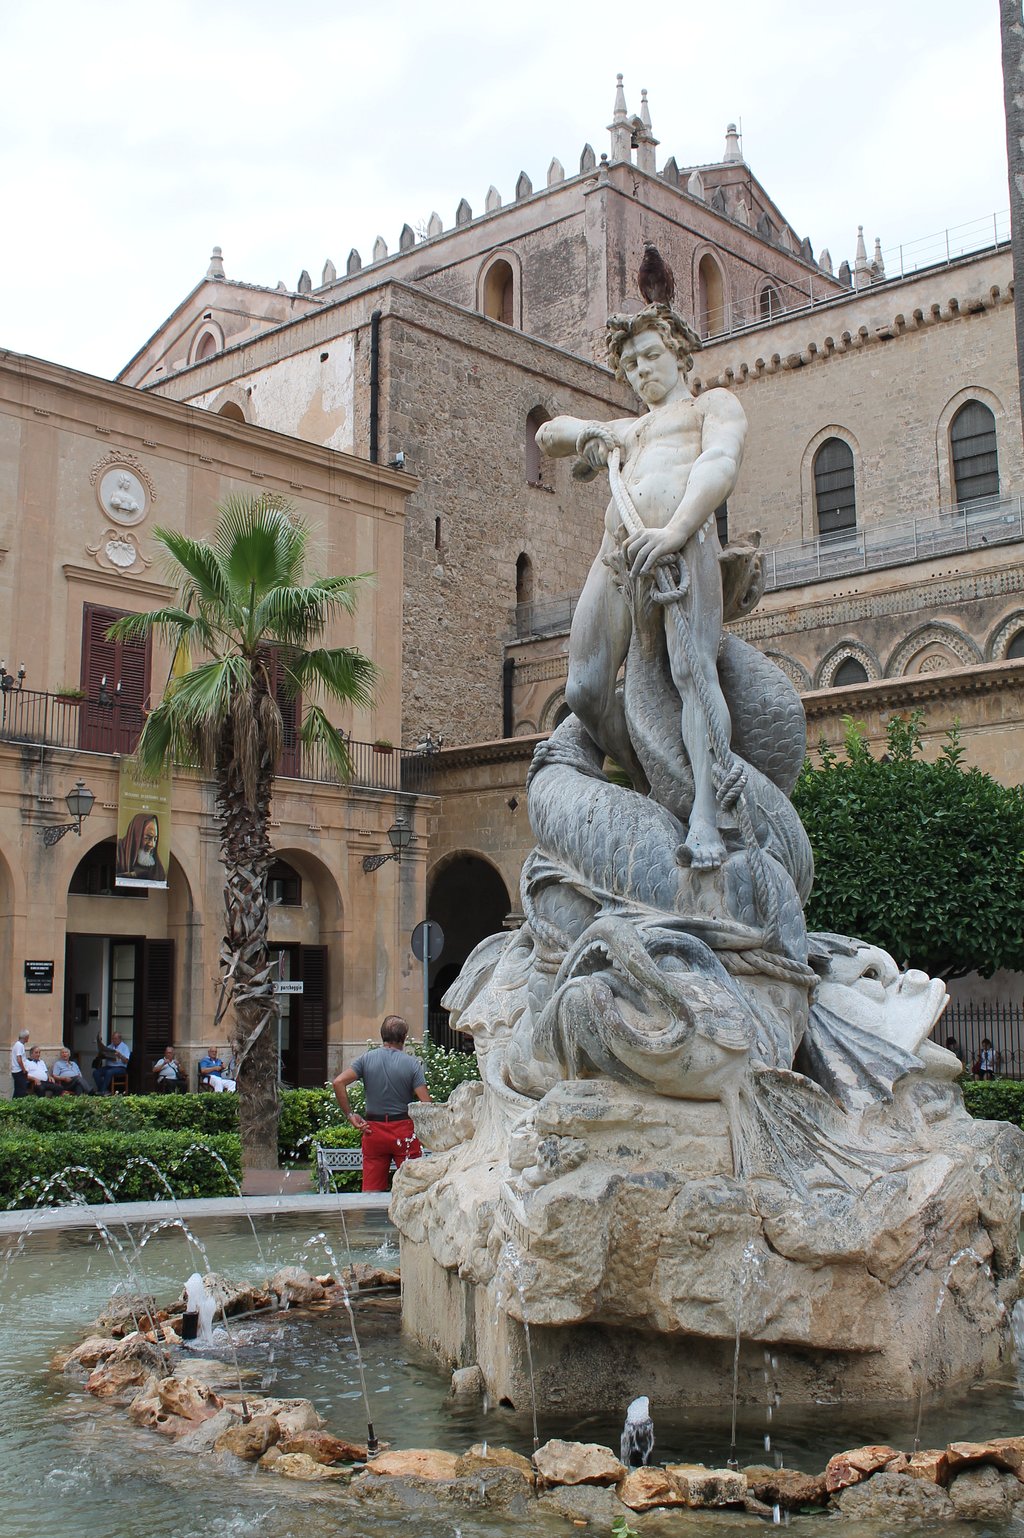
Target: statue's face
(651, 368)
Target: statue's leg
(700, 716)
(598, 642)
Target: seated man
(169, 1078)
(39, 1082)
(115, 1061)
(67, 1076)
(212, 1074)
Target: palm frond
(318, 732)
(297, 614)
(258, 545)
(197, 558)
(174, 624)
(341, 673)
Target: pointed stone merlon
(844, 274)
(305, 285)
(380, 249)
(620, 127)
(732, 144)
(329, 274)
(524, 187)
(588, 160)
(216, 267)
(434, 226)
(670, 172)
(646, 143)
(492, 202)
(354, 263)
(463, 214)
(407, 238)
(741, 213)
(825, 261)
(556, 172)
(695, 185)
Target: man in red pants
(391, 1078)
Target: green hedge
(29, 1159)
(341, 1136)
(994, 1099)
(205, 1114)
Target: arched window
(972, 436)
(232, 412)
(835, 502)
(849, 671)
(535, 474)
(769, 302)
(1015, 650)
(499, 293)
(284, 885)
(710, 297)
(207, 346)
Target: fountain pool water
(67, 1458)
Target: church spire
(619, 127)
(732, 144)
(646, 143)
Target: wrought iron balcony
(78, 725)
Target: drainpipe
(374, 383)
(508, 669)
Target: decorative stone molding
(794, 671)
(538, 672)
(948, 638)
(999, 641)
(119, 551)
(124, 487)
(551, 708)
(824, 677)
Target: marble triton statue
(691, 1111)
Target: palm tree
(247, 612)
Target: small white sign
(287, 987)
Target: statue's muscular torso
(659, 451)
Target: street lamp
(80, 803)
(399, 837)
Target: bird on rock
(654, 276)
(637, 1443)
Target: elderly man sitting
(67, 1076)
(212, 1074)
(115, 1061)
(39, 1082)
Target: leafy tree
(245, 609)
(924, 859)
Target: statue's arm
(561, 435)
(711, 480)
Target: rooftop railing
(894, 542)
(35, 718)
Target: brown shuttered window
(115, 681)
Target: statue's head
(678, 337)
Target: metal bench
(330, 1159)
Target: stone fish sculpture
(680, 1087)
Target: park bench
(328, 1160)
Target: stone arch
(768, 300)
(207, 342)
(554, 711)
(231, 403)
(944, 447)
(469, 897)
(846, 651)
(933, 648)
(536, 464)
(808, 513)
(711, 292)
(794, 671)
(499, 288)
(1006, 633)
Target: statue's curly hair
(671, 327)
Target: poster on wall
(143, 828)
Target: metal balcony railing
(895, 542)
(38, 719)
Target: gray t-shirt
(391, 1079)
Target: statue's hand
(646, 549)
(594, 444)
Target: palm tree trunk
(245, 963)
(1011, 29)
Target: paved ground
(34, 1220)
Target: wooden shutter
(290, 706)
(115, 727)
(154, 1020)
(310, 1053)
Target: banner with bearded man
(143, 828)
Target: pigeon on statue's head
(637, 1442)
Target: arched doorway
(470, 901)
(305, 937)
(122, 964)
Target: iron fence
(79, 725)
(1000, 1025)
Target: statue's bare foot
(705, 845)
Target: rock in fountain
(678, 1082)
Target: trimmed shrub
(89, 1165)
(205, 1114)
(995, 1099)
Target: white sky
(135, 137)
